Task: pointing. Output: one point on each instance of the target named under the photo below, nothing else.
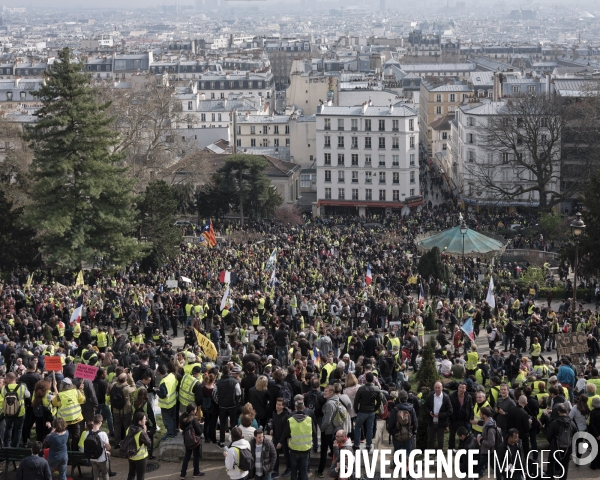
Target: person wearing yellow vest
(298, 433)
(102, 340)
(138, 435)
(76, 330)
(536, 350)
(68, 401)
(326, 372)
(190, 387)
(255, 319)
(480, 402)
(472, 361)
(16, 397)
(100, 465)
(189, 315)
(61, 330)
(167, 399)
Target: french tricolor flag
(421, 296)
(369, 277)
(225, 276)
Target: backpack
(92, 446)
(245, 459)
(39, 411)
(499, 439)
(403, 427)
(12, 404)
(190, 439)
(311, 400)
(207, 405)
(128, 447)
(286, 394)
(386, 410)
(117, 397)
(563, 440)
(339, 417)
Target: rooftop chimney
(364, 107)
(391, 108)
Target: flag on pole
(421, 296)
(273, 279)
(369, 277)
(468, 328)
(270, 265)
(29, 280)
(491, 299)
(208, 232)
(76, 315)
(208, 347)
(224, 299)
(316, 356)
(225, 276)
(79, 281)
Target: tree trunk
(241, 200)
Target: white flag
(490, 299)
(273, 279)
(224, 299)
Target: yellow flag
(29, 279)
(207, 346)
(79, 281)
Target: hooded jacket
(299, 417)
(232, 459)
(268, 456)
(488, 436)
(469, 443)
(329, 411)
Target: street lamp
(577, 229)
(463, 232)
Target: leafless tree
(15, 159)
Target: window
(453, 97)
(287, 143)
(368, 177)
(505, 157)
(355, 194)
(367, 125)
(471, 156)
(544, 138)
(354, 124)
(287, 129)
(412, 192)
(412, 159)
(515, 89)
(341, 194)
(367, 160)
(444, 135)
(470, 138)
(382, 125)
(212, 96)
(382, 178)
(265, 130)
(305, 181)
(395, 160)
(203, 117)
(252, 130)
(276, 130)
(328, 159)
(438, 110)
(340, 142)
(340, 123)
(219, 118)
(355, 159)
(381, 195)
(396, 195)
(328, 194)
(327, 143)
(412, 142)
(519, 157)
(253, 142)
(190, 104)
(382, 160)
(354, 142)
(239, 130)
(265, 142)
(367, 142)
(411, 125)
(395, 143)
(212, 117)
(238, 142)
(368, 194)
(396, 178)
(544, 122)
(444, 146)
(341, 176)
(520, 122)
(519, 139)
(276, 142)
(327, 124)
(354, 177)
(381, 143)
(412, 176)
(438, 97)
(328, 175)
(470, 122)
(395, 125)
(531, 88)
(341, 159)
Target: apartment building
(367, 159)
(308, 91)
(437, 98)
(471, 159)
(262, 130)
(220, 84)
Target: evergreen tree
(429, 322)
(83, 207)
(430, 264)
(157, 207)
(426, 376)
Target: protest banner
(207, 346)
(53, 364)
(87, 372)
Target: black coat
(456, 407)
(445, 411)
(518, 418)
(260, 402)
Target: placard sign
(172, 283)
(87, 372)
(53, 364)
(572, 343)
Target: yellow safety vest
(170, 400)
(188, 309)
(300, 434)
(329, 368)
(261, 304)
(189, 367)
(255, 320)
(94, 332)
(186, 390)
(142, 451)
(102, 339)
(76, 329)
(70, 409)
(420, 329)
(138, 339)
(395, 342)
(472, 360)
(536, 350)
(476, 416)
(61, 329)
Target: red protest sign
(53, 364)
(87, 372)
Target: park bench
(14, 455)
